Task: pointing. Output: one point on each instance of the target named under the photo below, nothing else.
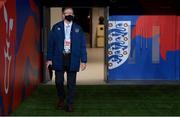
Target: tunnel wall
(20, 54)
(144, 47)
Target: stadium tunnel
(141, 43)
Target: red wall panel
(20, 56)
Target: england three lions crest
(119, 43)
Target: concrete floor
(94, 73)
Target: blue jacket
(56, 46)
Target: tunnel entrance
(88, 19)
(111, 7)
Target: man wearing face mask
(66, 53)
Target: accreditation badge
(67, 44)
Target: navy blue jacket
(56, 46)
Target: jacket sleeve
(50, 45)
(83, 48)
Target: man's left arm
(83, 51)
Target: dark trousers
(71, 82)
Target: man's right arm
(50, 48)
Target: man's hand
(48, 63)
(83, 66)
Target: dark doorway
(83, 18)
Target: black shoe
(60, 105)
(69, 109)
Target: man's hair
(65, 8)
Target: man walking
(66, 53)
